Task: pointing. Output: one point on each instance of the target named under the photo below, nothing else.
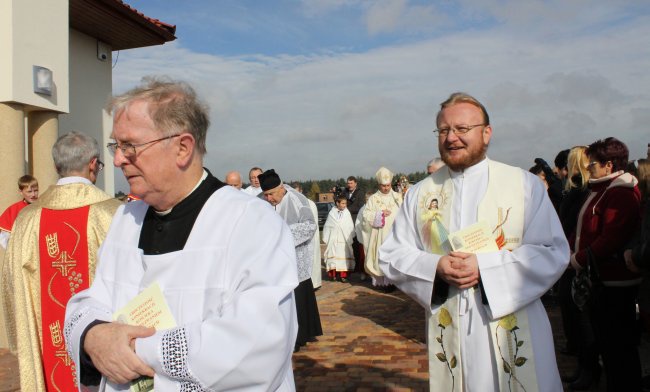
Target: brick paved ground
(8, 369)
(373, 341)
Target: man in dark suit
(355, 197)
(356, 200)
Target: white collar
(73, 180)
(478, 168)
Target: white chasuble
(507, 344)
(236, 316)
(379, 226)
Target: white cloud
(336, 114)
(315, 8)
(387, 16)
(384, 15)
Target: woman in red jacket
(606, 222)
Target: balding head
(233, 178)
(434, 165)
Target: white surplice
(316, 272)
(253, 191)
(230, 290)
(361, 229)
(294, 209)
(512, 280)
(338, 233)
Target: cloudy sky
(330, 88)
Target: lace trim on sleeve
(174, 351)
(192, 387)
(74, 321)
(302, 232)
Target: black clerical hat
(269, 180)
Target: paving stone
(373, 341)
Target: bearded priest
(487, 329)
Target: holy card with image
(475, 238)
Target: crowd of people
(477, 244)
(600, 197)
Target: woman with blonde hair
(576, 191)
(577, 163)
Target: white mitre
(384, 176)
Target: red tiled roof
(170, 28)
(118, 24)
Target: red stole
(63, 252)
(8, 217)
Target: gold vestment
(21, 286)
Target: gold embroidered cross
(64, 264)
(63, 354)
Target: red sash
(63, 252)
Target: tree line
(368, 184)
(313, 187)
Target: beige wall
(34, 32)
(90, 89)
(42, 132)
(6, 46)
(12, 151)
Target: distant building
(327, 197)
(56, 76)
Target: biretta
(269, 180)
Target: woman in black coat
(575, 193)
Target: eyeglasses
(594, 163)
(128, 149)
(459, 130)
(100, 165)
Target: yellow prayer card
(475, 238)
(148, 309)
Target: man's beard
(472, 158)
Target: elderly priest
(191, 237)
(294, 208)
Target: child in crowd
(337, 234)
(28, 188)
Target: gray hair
(73, 151)
(173, 107)
(435, 162)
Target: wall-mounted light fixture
(43, 80)
(103, 50)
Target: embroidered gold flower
(511, 360)
(444, 318)
(508, 322)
